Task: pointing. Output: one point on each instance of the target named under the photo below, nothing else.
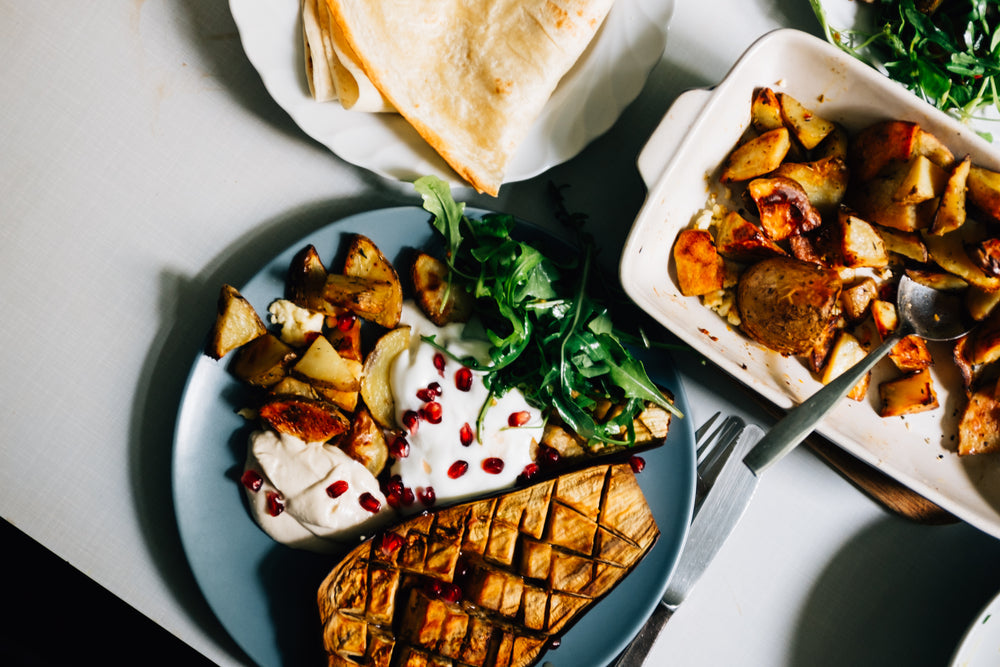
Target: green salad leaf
(945, 51)
(549, 337)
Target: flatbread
(332, 69)
(470, 76)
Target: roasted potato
(308, 419)
(908, 395)
(264, 361)
(365, 442)
(236, 323)
(740, 240)
(322, 366)
(756, 157)
(365, 260)
(783, 206)
(306, 279)
(376, 390)
(787, 304)
(700, 268)
(440, 302)
(979, 428)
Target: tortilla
(470, 76)
(332, 69)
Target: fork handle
(637, 650)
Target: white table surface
(143, 164)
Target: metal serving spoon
(928, 313)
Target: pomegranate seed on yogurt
(444, 426)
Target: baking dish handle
(668, 135)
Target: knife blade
(722, 509)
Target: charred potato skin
(787, 304)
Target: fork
(714, 444)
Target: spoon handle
(800, 422)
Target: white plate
(587, 102)
(695, 135)
(264, 593)
(980, 647)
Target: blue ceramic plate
(265, 593)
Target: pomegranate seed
(426, 496)
(252, 480)
(519, 418)
(337, 489)
(390, 543)
(461, 569)
(430, 392)
(439, 363)
(394, 487)
(548, 455)
(399, 448)
(463, 379)
(369, 502)
(411, 420)
(450, 592)
(274, 504)
(530, 471)
(457, 469)
(394, 501)
(434, 588)
(637, 463)
(465, 434)
(493, 465)
(431, 412)
(345, 321)
(408, 496)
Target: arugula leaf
(949, 56)
(549, 337)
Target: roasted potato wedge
(911, 354)
(949, 251)
(908, 395)
(846, 352)
(365, 260)
(308, 419)
(807, 127)
(783, 206)
(321, 365)
(979, 428)
(365, 442)
(787, 304)
(236, 323)
(437, 300)
(924, 180)
(740, 240)
(950, 214)
(824, 181)
(306, 279)
(984, 192)
(700, 268)
(368, 298)
(858, 243)
(264, 361)
(376, 390)
(756, 157)
(881, 144)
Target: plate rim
(681, 437)
(528, 160)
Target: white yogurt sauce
(435, 448)
(297, 475)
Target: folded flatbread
(332, 69)
(470, 76)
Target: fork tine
(699, 435)
(716, 450)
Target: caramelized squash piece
(489, 582)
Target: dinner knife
(721, 510)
